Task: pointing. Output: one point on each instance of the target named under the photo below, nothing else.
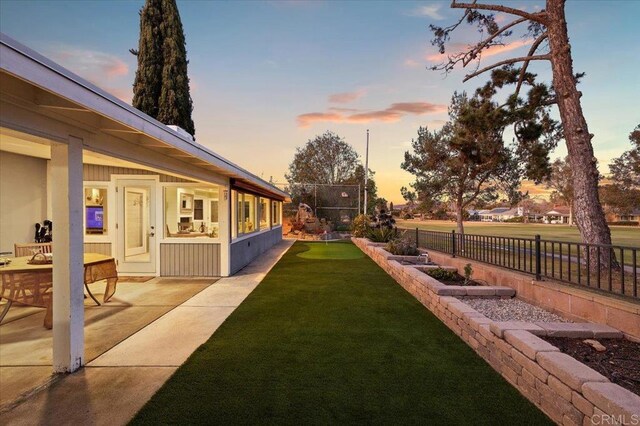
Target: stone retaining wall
(569, 392)
(568, 301)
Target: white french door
(136, 226)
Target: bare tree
(550, 42)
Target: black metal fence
(558, 260)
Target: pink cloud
(490, 51)
(107, 71)
(391, 114)
(452, 48)
(417, 108)
(305, 120)
(125, 95)
(337, 109)
(386, 116)
(496, 50)
(500, 18)
(93, 65)
(411, 63)
(346, 97)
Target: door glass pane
(136, 217)
(134, 220)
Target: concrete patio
(134, 343)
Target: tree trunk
(459, 222)
(589, 216)
(570, 213)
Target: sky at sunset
(268, 76)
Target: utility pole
(366, 173)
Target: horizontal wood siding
(189, 260)
(101, 248)
(94, 172)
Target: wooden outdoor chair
(30, 249)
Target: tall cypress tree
(161, 88)
(175, 104)
(148, 82)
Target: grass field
(621, 235)
(329, 338)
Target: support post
(417, 238)
(366, 174)
(453, 243)
(538, 259)
(68, 267)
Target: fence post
(417, 238)
(453, 243)
(538, 259)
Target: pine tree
(161, 88)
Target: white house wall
(23, 198)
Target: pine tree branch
(523, 71)
(473, 53)
(540, 17)
(507, 62)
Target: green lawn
(621, 235)
(327, 338)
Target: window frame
(164, 237)
(108, 206)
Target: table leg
(86, 286)
(110, 290)
(6, 309)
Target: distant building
(499, 214)
(632, 216)
(559, 214)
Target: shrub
(402, 247)
(516, 219)
(360, 226)
(468, 271)
(343, 228)
(442, 274)
(625, 223)
(382, 235)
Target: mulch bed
(620, 363)
(459, 280)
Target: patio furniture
(32, 284)
(30, 249)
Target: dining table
(32, 284)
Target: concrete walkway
(112, 388)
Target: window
(198, 209)
(189, 212)
(95, 210)
(245, 214)
(265, 212)
(276, 207)
(249, 213)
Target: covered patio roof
(42, 89)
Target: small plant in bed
(382, 235)
(449, 277)
(402, 247)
